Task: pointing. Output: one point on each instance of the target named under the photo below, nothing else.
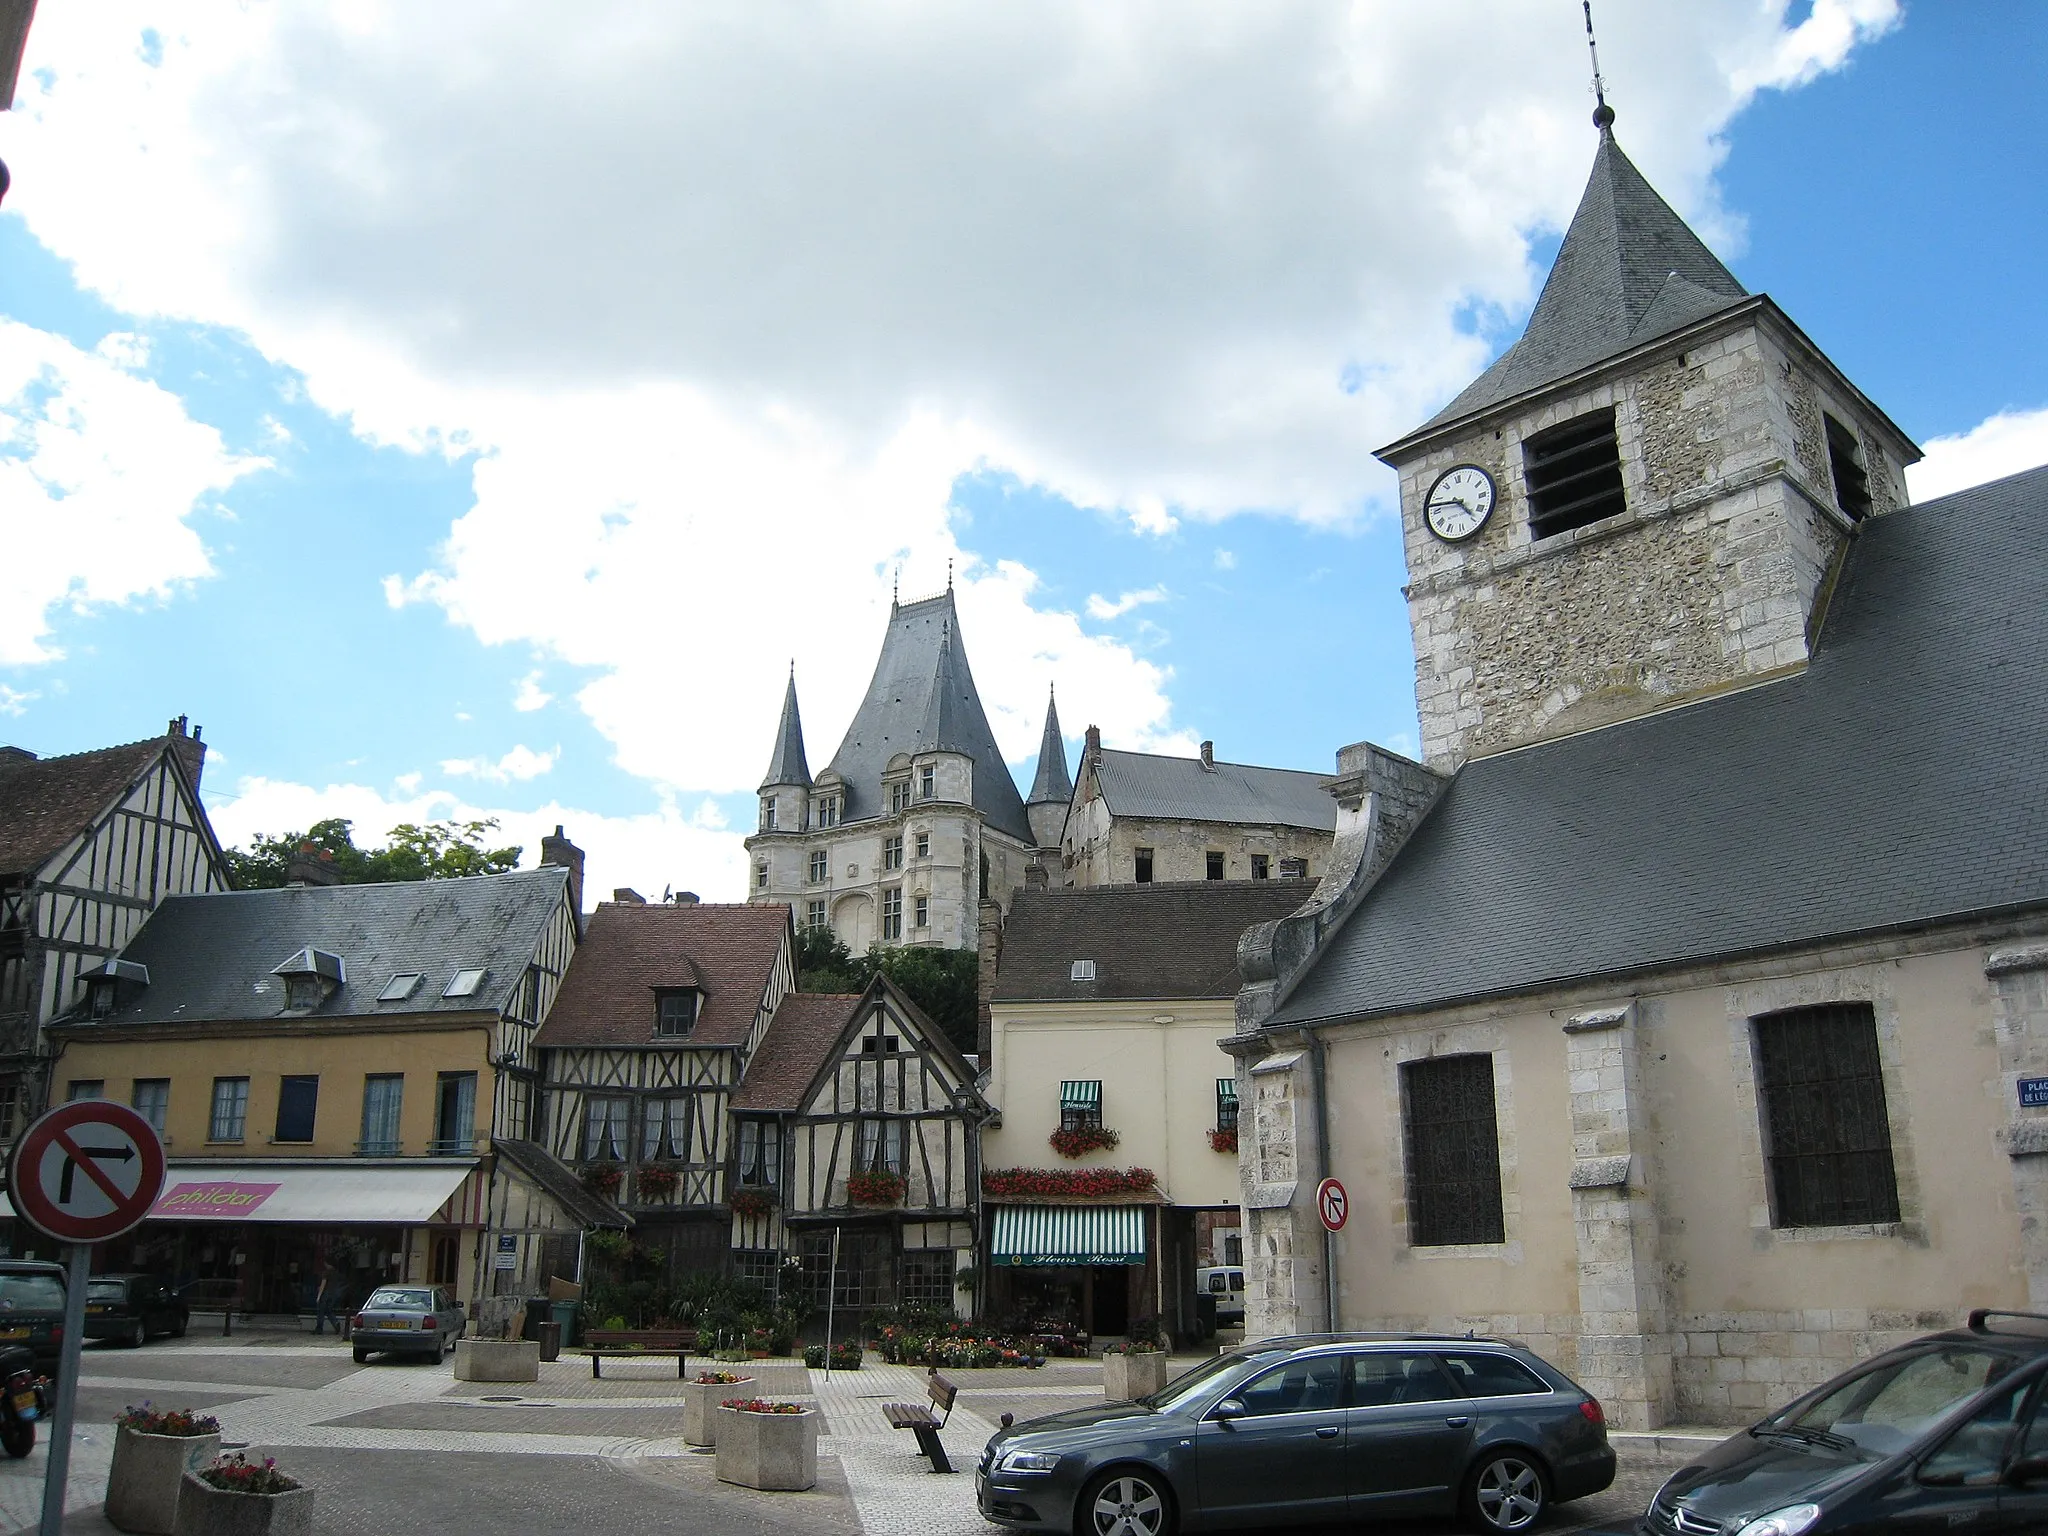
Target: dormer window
(827, 810)
(1852, 482)
(310, 977)
(899, 797)
(1573, 472)
(103, 984)
(675, 1011)
(102, 997)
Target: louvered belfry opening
(1573, 473)
(1453, 1152)
(1829, 1141)
(1852, 483)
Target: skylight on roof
(399, 987)
(464, 984)
(1084, 970)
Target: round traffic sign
(86, 1171)
(1332, 1204)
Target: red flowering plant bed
(721, 1378)
(236, 1473)
(753, 1200)
(146, 1420)
(603, 1179)
(877, 1187)
(656, 1181)
(1067, 1183)
(956, 1346)
(760, 1405)
(1080, 1140)
(1223, 1140)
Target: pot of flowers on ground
(1136, 1367)
(239, 1497)
(770, 1446)
(701, 1396)
(874, 1187)
(153, 1449)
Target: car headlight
(1783, 1522)
(1036, 1461)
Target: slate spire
(788, 765)
(1052, 785)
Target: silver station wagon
(406, 1320)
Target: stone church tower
(1643, 501)
(916, 817)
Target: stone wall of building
(1102, 850)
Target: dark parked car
(1295, 1431)
(1948, 1433)
(406, 1320)
(132, 1309)
(32, 1308)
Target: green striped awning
(1068, 1234)
(1226, 1089)
(1086, 1095)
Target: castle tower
(1052, 789)
(1643, 501)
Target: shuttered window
(1453, 1151)
(1827, 1135)
(1573, 473)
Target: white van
(1226, 1284)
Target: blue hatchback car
(1307, 1430)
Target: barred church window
(1827, 1137)
(1852, 483)
(1573, 473)
(892, 853)
(892, 912)
(821, 864)
(1453, 1151)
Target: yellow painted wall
(341, 1060)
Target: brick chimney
(310, 866)
(625, 895)
(190, 749)
(1091, 750)
(563, 854)
(1209, 756)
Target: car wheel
(1127, 1501)
(1507, 1491)
(177, 1327)
(362, 1355)
(18, 1440)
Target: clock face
(1459, 503)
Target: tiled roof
(628, 950)
(798, 1043)
(541, 1165)
(1146, 785)
(1900, 781)
(211, 956)
(47, 801)
(1162, 941)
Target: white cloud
(1105, 609)
(1225, 560)
(1819, 44)
(517, 766)
(15, 701)
(531, 695)
(100, 473)
(1998, 446)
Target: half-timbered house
(89, 844)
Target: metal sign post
(83, 1173)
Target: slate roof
(1147, 941)
(1051, 782)
(47, 801)
(1629, 271)
(788, 765)
(1900, 780)
(210, 956)
(799, 1040)
(546, 1170)
(922, 699)
(628, 950)
(1145, 784)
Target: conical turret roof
(1630, 269)
(788, 765)
(1052, 783)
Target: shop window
(454, 1113)
(760, 1153)
(87, 1088)
(666, 1135)
(152, 1100)
(297, 1099)
(1453, 1151)
(604, 1129)
(927, 1279)
(230, 1109)
(1827, 1136)
(383, 1098)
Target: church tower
(1052, 789)
(1643, 501)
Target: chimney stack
(626, 896)
(190, 749)
(1209, 755)
(563, 854)
(1091, 749)
(310, 866)
(684, 899)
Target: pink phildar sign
(212, 1199)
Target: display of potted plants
(1136, 1367)
(874, 1187)
(655, 1181)
(846, 1355)
(767, 1445)
(702, 1395)
(1080, 1140)
(153, 1449)
(603, 1179)
(753, 1200)
(235, 1496)
(1223, 1139)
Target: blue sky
(445, 475)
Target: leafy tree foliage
(439, 850)
(940, 981)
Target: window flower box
(1080, 1140)
(1224, 1139)
(655, 1182)
(1067, 1183)
(603, 1179)
(877, 1187)
(752, 1200)
(770, 1446)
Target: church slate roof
(788, 765)
(629, 949)
(211, 955)
(1629, 271)
(1051, 782)
(922, 699)
(1901, 780)
(1158, 788)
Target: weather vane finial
(949, 573)
(896, 587)
(1603, 114)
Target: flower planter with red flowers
(603, 1179)
(1080, 1140)
(753, 1200)
(239, 1497)
(875, 1188)
(1221, 1140)
(655, 1182)
(1067, 1183)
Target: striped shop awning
(1226, 1090)
(1030, 1235)
(1081, 1095)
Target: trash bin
(550, 1336)
(536, 1313)
(565, 1319)
(1205, 1315)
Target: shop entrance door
(1109, 1298)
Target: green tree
(439, 850)
(942, 982)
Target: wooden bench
(603, 1344)
(925, 1424)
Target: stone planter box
(142, 1484)
(777, 1452)
(204, 1510)
(1131, 1376)
(497, 1360)
(701, 1412)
